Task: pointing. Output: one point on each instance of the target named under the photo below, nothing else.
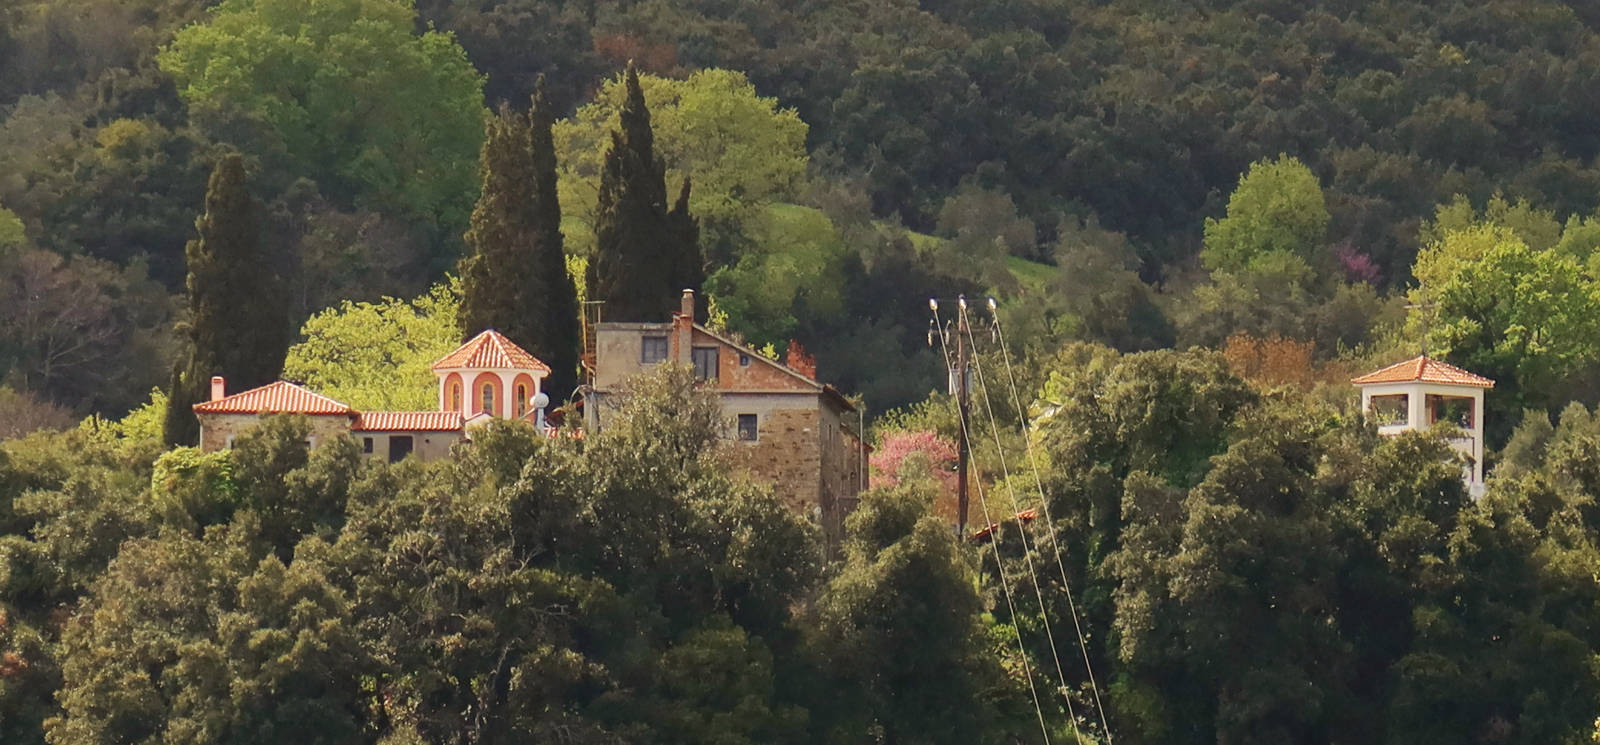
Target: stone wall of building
(217, 431)
(431, 445)
(787, 455)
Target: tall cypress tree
(236, 325)
(685, 232)
(640, 255)
(503, 239)
(558, 343)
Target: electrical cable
(1005, 586)
(1049, 523)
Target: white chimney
(218, 388)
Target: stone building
(1422, 392)
(486, 378)
(791, 431)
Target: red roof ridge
(1425, 369)
(279, 397)
(490, 349)
(408, 421)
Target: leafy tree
(379, 356)
(643, 256)
(347, 93)
(1277, 209)
(902, 609)
(236, 325)
(12, 234)
(1520, 316)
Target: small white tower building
(1422, 391)
(489, 376)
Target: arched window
(522, 399)
(488, 398)
(455, 396)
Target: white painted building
(1421, 392)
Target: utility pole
(962, 446)
(957, 371)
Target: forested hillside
(1097, 136)
(1197, 221)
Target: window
(747, 427)
(488, 398)
(652, 349)
(522, 399)
(1455, 410)
(744, 360)
(366, 445)
(399, 448)
(455, 396)
(705, 362)
(230, 442)
(1391, 410)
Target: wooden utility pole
(962, 445)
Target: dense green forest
(1198, 220)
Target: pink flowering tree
(937, 455)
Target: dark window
(747, 427)
(522, 399)
(366, 445)
(744, 360)
(399, 447)
(705, 362)
(652, 349)
(488, 398)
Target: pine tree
(640, 251)
(236, 324)
(503, 239)
(558, 344)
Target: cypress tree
(503, 239)
(558, 344)
(685, 232)
(640, 255)
(236, 324)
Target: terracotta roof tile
(408, 421)
(1424, 370)
(281, 397)
(490, 349)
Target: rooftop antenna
(1424, 307)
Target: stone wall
(428, 446)
(217, 431)
(787, 455)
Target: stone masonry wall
(786, 454)
(216, 429)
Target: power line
(1022, 535)
(1005, 586)
(1049, 523)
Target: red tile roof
(1426, 370)
(275, 398)
(1025, 516)
(408, 421)
(490, 349)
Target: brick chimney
(219, 388)
(683, 329)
